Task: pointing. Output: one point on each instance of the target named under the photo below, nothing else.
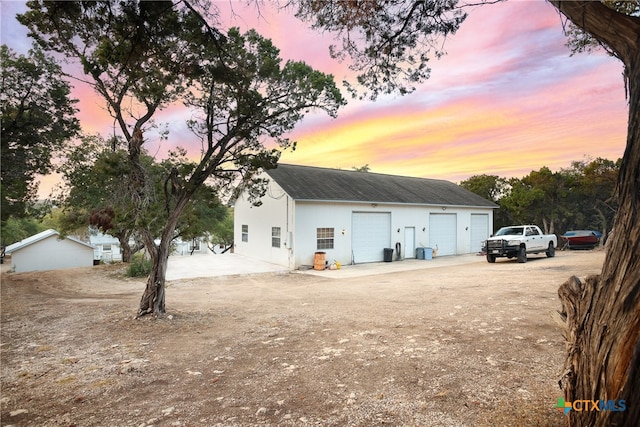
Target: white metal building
(47, 251)
(353, 216)
(107, 248)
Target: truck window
(510, 231)
(531, 231)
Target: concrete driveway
(210, 265)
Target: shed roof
(321, 184)
(38, 237)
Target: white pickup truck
(518, 241)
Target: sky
(506, 99)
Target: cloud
(505, 100)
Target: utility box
(428, 253)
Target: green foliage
(143, 56)
(580, 197)
(389, 42)
(16, 229)
(364, 168)
(139, 266)
(222, 230)
(37, 120)
(491, 187)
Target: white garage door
(442, 233)
(479, 231)
(371, 234)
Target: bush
(140, 266)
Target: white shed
(354, 216)
(47, 251)
(107, 247)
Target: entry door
(409, 242)
(371, 235)
(442, 233)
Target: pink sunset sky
(506, 99)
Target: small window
(194, 245)
(245, 233)
(106, 248)
(275, 237)
(325, 238)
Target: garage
(361, 215)
(442, 233)
(371, 234)
(479, 231)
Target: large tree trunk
(602, 315)
(153, 298)
(153, 301)
(123, 238)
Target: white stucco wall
(300, 220)
(310, 216)
(276, 211)
(51, 254)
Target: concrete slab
(374, 268)
(212, 265)
(192, 266)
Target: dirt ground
(465, 345)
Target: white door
(409, 242)
(371, 235)
(442, 233)
(479, 231)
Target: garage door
(371, 234)
(479, 231)
(442, 233)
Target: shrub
(139, 266)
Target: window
(245, 233)
(275, 237)
(194, 245)
(325, 238)
(106, 248)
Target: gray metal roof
(335, 185)
(38, 237)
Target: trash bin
(428, 253)
(419, 253)
(388, 254)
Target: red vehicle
(581, 239)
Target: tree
(149, 54)
(493, 188)
(391, 39)
(94, 194)
(364, 168)
(16, 229)
(553, 190)
(37, 119)
(579, 41)
(222, 232)
(592, 202)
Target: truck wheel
(522, 254)
(491, 258)
(551, 252)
